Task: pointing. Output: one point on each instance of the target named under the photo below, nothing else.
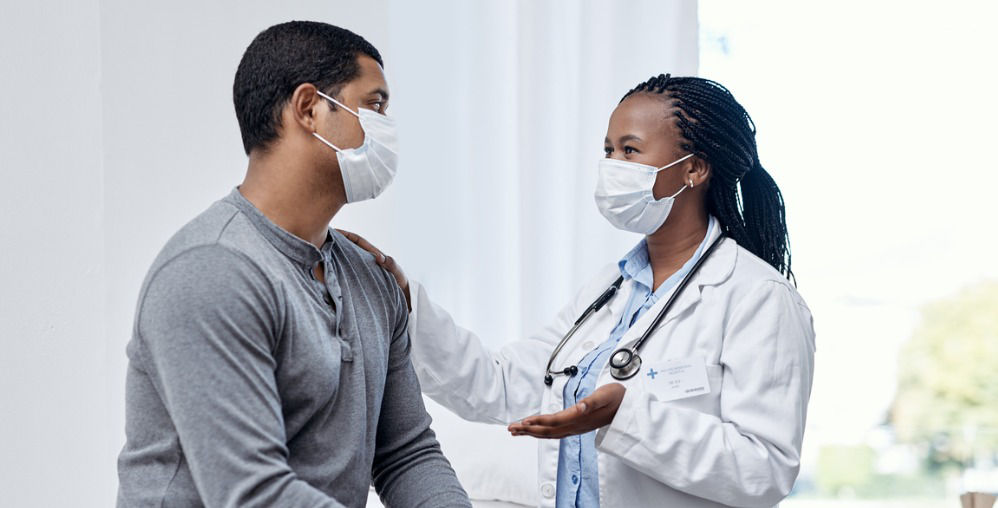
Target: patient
(269, 362)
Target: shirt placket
(331, 287)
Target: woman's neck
(673, 245)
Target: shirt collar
(287, 243)
(636, 264)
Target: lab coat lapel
(716, 269)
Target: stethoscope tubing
(619, 370)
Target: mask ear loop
(681, 189)
(340, 104)
(330, 145)
(669, 165)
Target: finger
(542, 432)
(562, 417)
(364, 244)
(350, 235)
(517, 424)
(390, 263)
(538, 431)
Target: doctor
(687, 386)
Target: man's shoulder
(213, 242)
(203, 230)
(365, 268)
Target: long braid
(742, 195)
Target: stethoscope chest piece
(624, 364)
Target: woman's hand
(591, 413)
(384, 261)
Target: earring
(691, 183)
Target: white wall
(52, 371)
(118, 128)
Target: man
(269, 361)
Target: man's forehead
(371, 78)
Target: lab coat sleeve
(750, 456)
(456, 370)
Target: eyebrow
(380, 91)
(624, 139)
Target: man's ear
(305, 106)
(699, 171)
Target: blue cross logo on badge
(652, 373)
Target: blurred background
(877, 120)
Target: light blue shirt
(578, 480)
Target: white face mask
(624, 195)
(368, 169)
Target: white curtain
(118, 128)
(503, 109)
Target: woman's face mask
(624, 195)
(368, 169)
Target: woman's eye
(629, 150)
(607, 150)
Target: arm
(749, 456)
(454, 367)
(458, 371)
(206, 324)
(409, 468)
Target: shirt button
(587, 345)
(575, 479)
(547, 490)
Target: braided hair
(742, 195)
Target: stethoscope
(625, 362)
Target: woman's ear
(305, 106)
(698, 172)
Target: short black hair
(283, 57)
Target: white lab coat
(738, 445)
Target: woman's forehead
(642, 115)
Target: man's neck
(289, 194)
(673, 245)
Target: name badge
(676, 379)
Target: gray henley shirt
(248, 385)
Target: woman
(713, 412)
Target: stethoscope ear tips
(568, 371)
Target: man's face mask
(368, 169)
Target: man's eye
(629, 150)
(376, 106)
